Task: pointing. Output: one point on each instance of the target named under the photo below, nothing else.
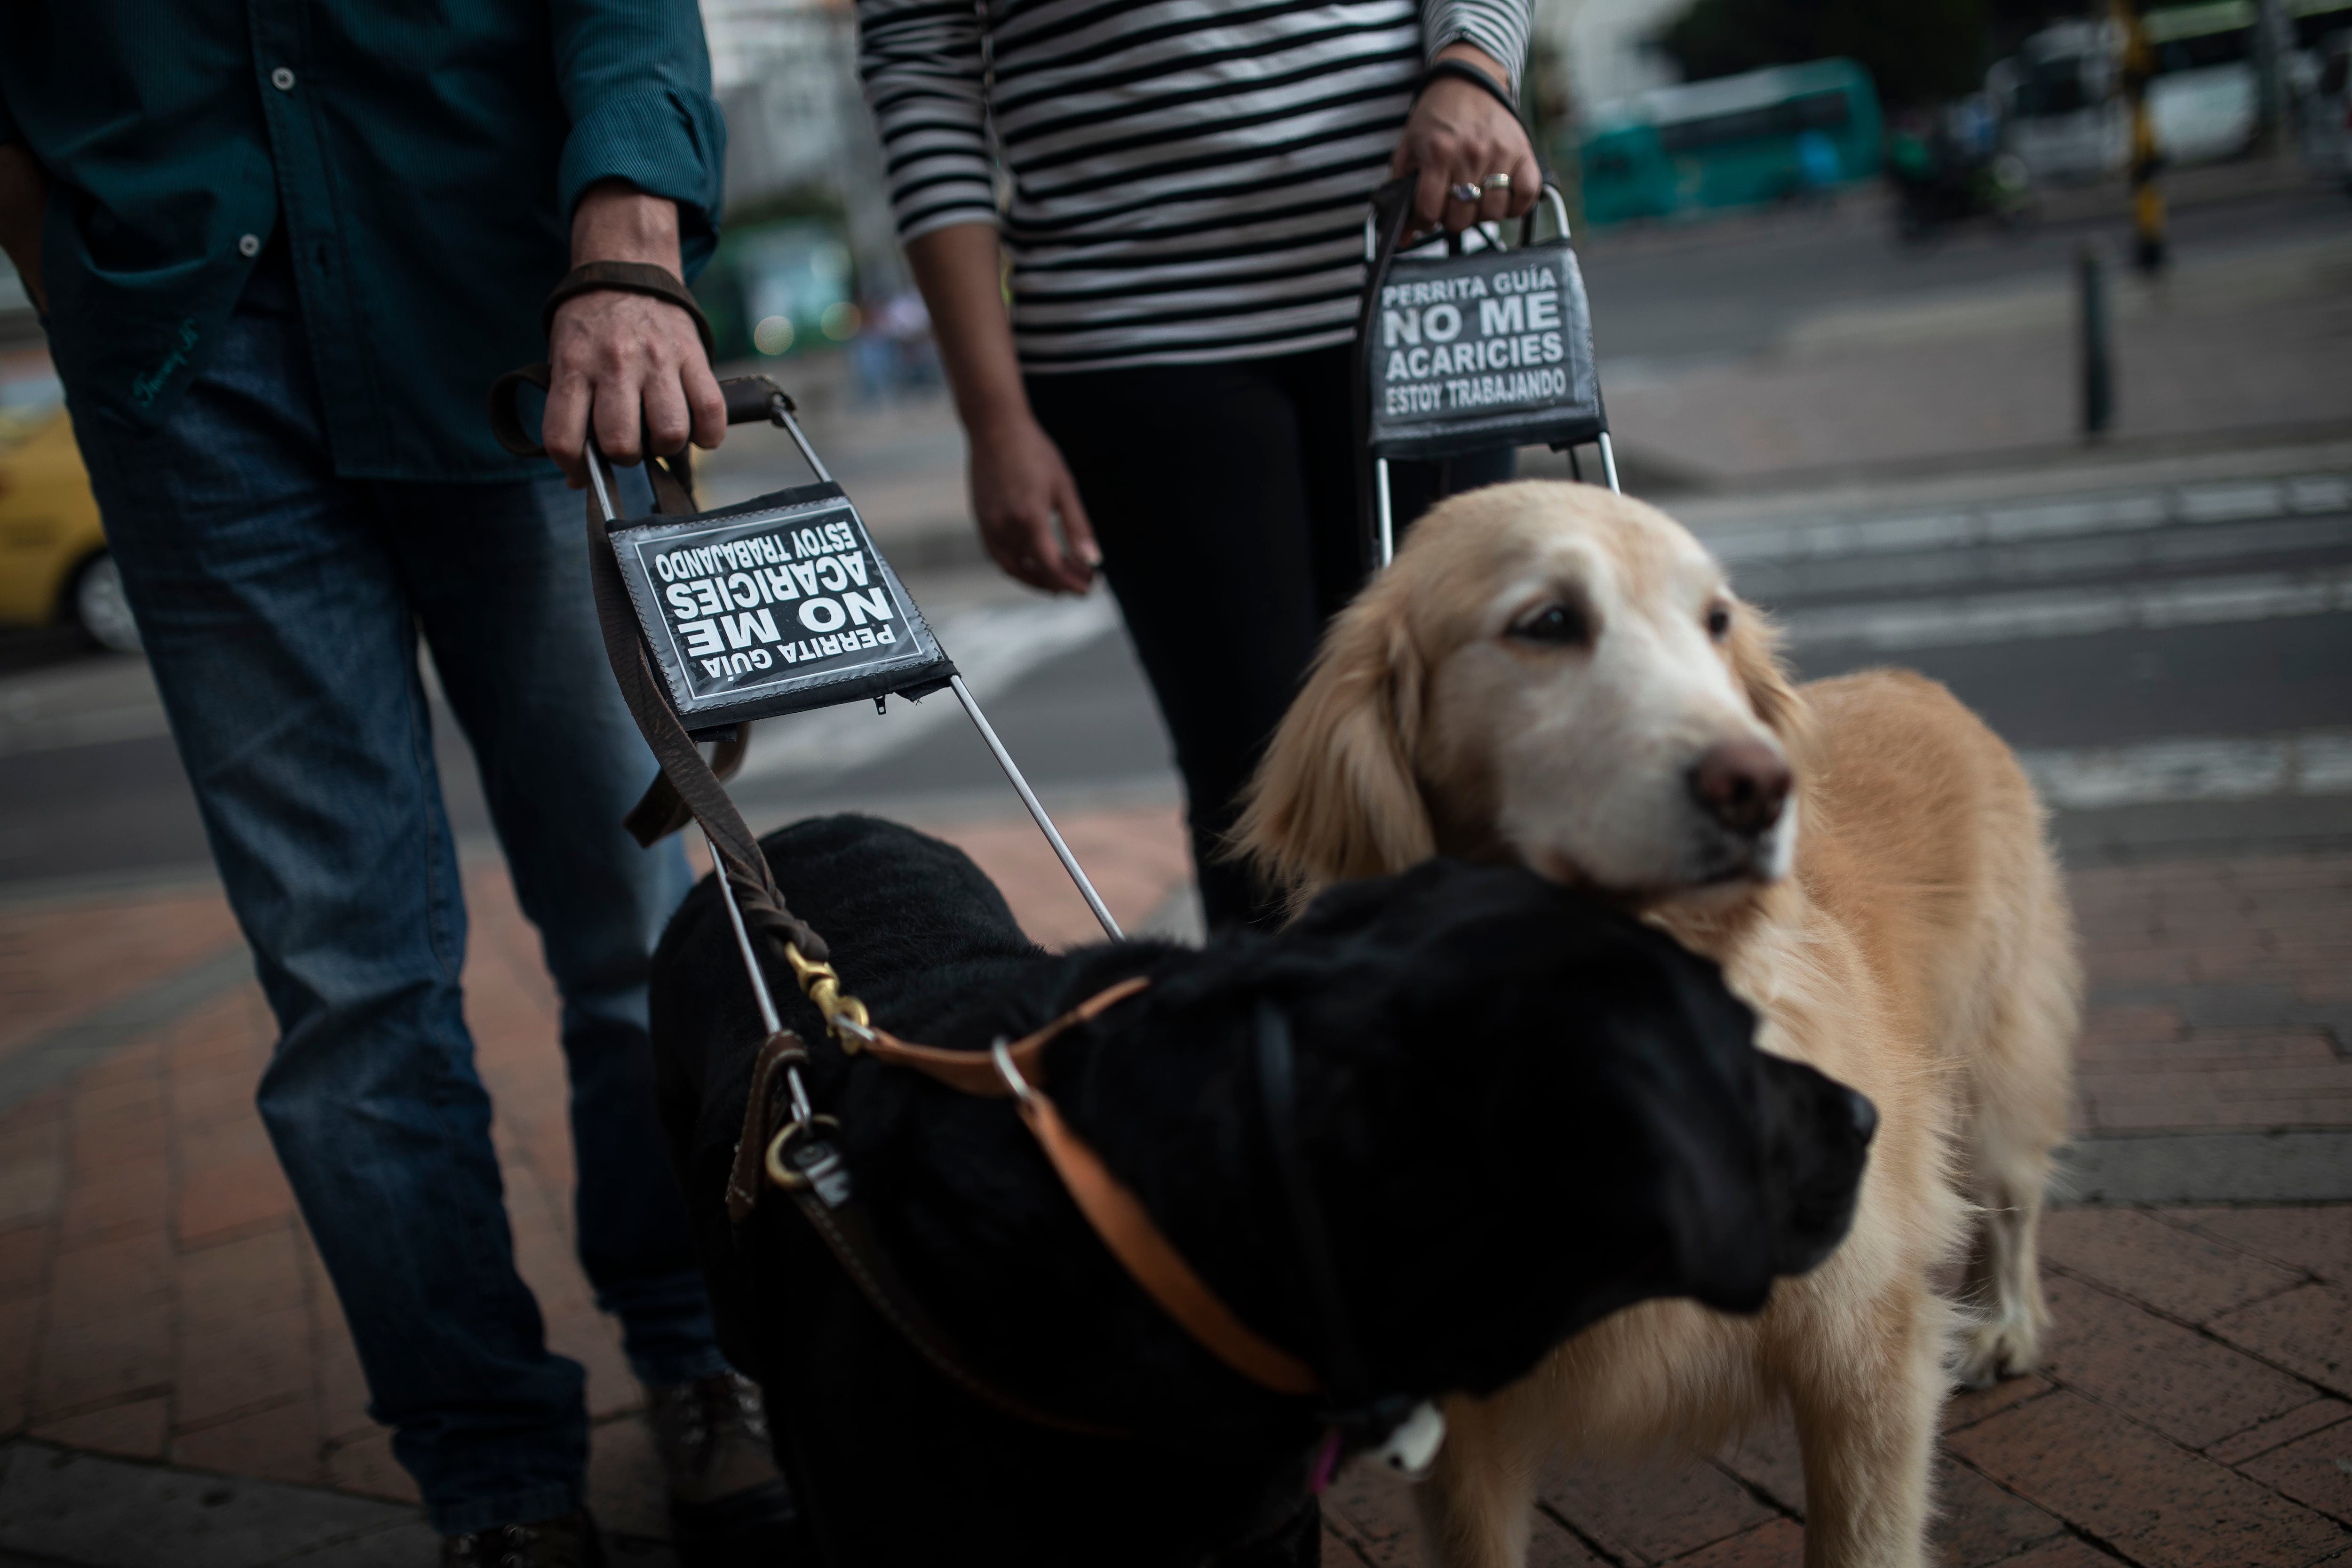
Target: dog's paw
(2003, 1348)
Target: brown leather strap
(835, 1213)
(1118, 1218)
(1117, 1214)
(973, 1073)
(1114, 1212)
(661, 810)
(628, 277)
(840, 1219)
(664, 809)
(741, 863)
(968, 1073)
(1151, 1259)
(506, 420)
(672, 476)
(780, 1049)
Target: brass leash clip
(819, 1166)
(844, 1015)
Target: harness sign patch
(1492, 348)
(1472, 342)
(773, 609)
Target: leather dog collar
(1126, 1227)
(974, 1073)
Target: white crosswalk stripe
(2024, 522)
(2092, 779)
(2148, 560)
(994, 646)
(1846, 577)
(2071, 612)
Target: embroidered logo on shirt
(144, 388)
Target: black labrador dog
(1484, 1064)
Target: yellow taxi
(54, 566)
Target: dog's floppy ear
(1754, 651)
(1335, 795)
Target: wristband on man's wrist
(628, 277)
(1463, 70)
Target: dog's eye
(1564, 625)
(1719, 621)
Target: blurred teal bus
(1737, 141)
(778, 287)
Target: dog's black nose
(1864, 1114)
(1742, 785)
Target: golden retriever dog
(1553, 673)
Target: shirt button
(248, 245)
(282, 80)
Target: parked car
(2203, 99)
(54, 564)
(2060, 114)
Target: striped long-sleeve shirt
(1187, 178)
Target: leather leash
(687, 788)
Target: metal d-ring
(781, 1173)
(1007, 1071)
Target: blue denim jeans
(281, 609)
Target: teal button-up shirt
(420, 161)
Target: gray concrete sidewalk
(2239, 350)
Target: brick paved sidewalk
(2193, 1412)
(159, 1301)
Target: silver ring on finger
(1464, 192)
(1496, 183)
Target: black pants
(1224, 499)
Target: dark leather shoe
(728, 1507)
(570, 1542)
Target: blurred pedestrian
(1170, 397)
(282, 250)
(1818, 168)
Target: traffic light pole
(2147, 199)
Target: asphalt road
(1669, 298)
(2176, 661)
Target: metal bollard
(2098, 367)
